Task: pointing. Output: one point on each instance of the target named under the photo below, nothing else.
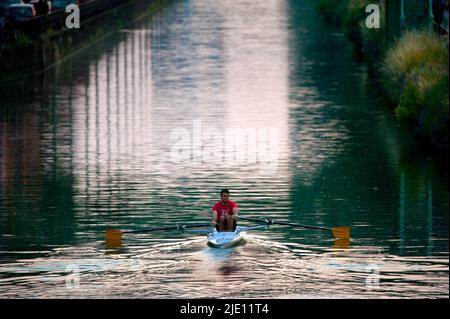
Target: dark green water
(94, 143)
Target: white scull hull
(226, 239)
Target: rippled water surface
(135, 131)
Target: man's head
(224, 195)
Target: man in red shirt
(225, 212)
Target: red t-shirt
(227, 209)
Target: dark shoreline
(50, 46)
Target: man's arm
(235, 213)
(214, 217)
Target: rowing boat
(223, 239)
(226, 239)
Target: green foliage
(410, 102)
(352, 15)
(355, 11)
(414, 49)
(436, 111)
(414, 69)
(22, 40)
(333, 11)
(374, 40)
(416, 73)
(344, 12)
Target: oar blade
(341, 232)
(341, 243)
(113, 234)
(113, 238)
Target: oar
(116, 234)
(338, 232)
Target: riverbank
(33, 54)
(412, 70)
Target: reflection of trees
(423, 202)
(35, 170)
(37, 153)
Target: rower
(225, 212)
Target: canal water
(145, 126)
